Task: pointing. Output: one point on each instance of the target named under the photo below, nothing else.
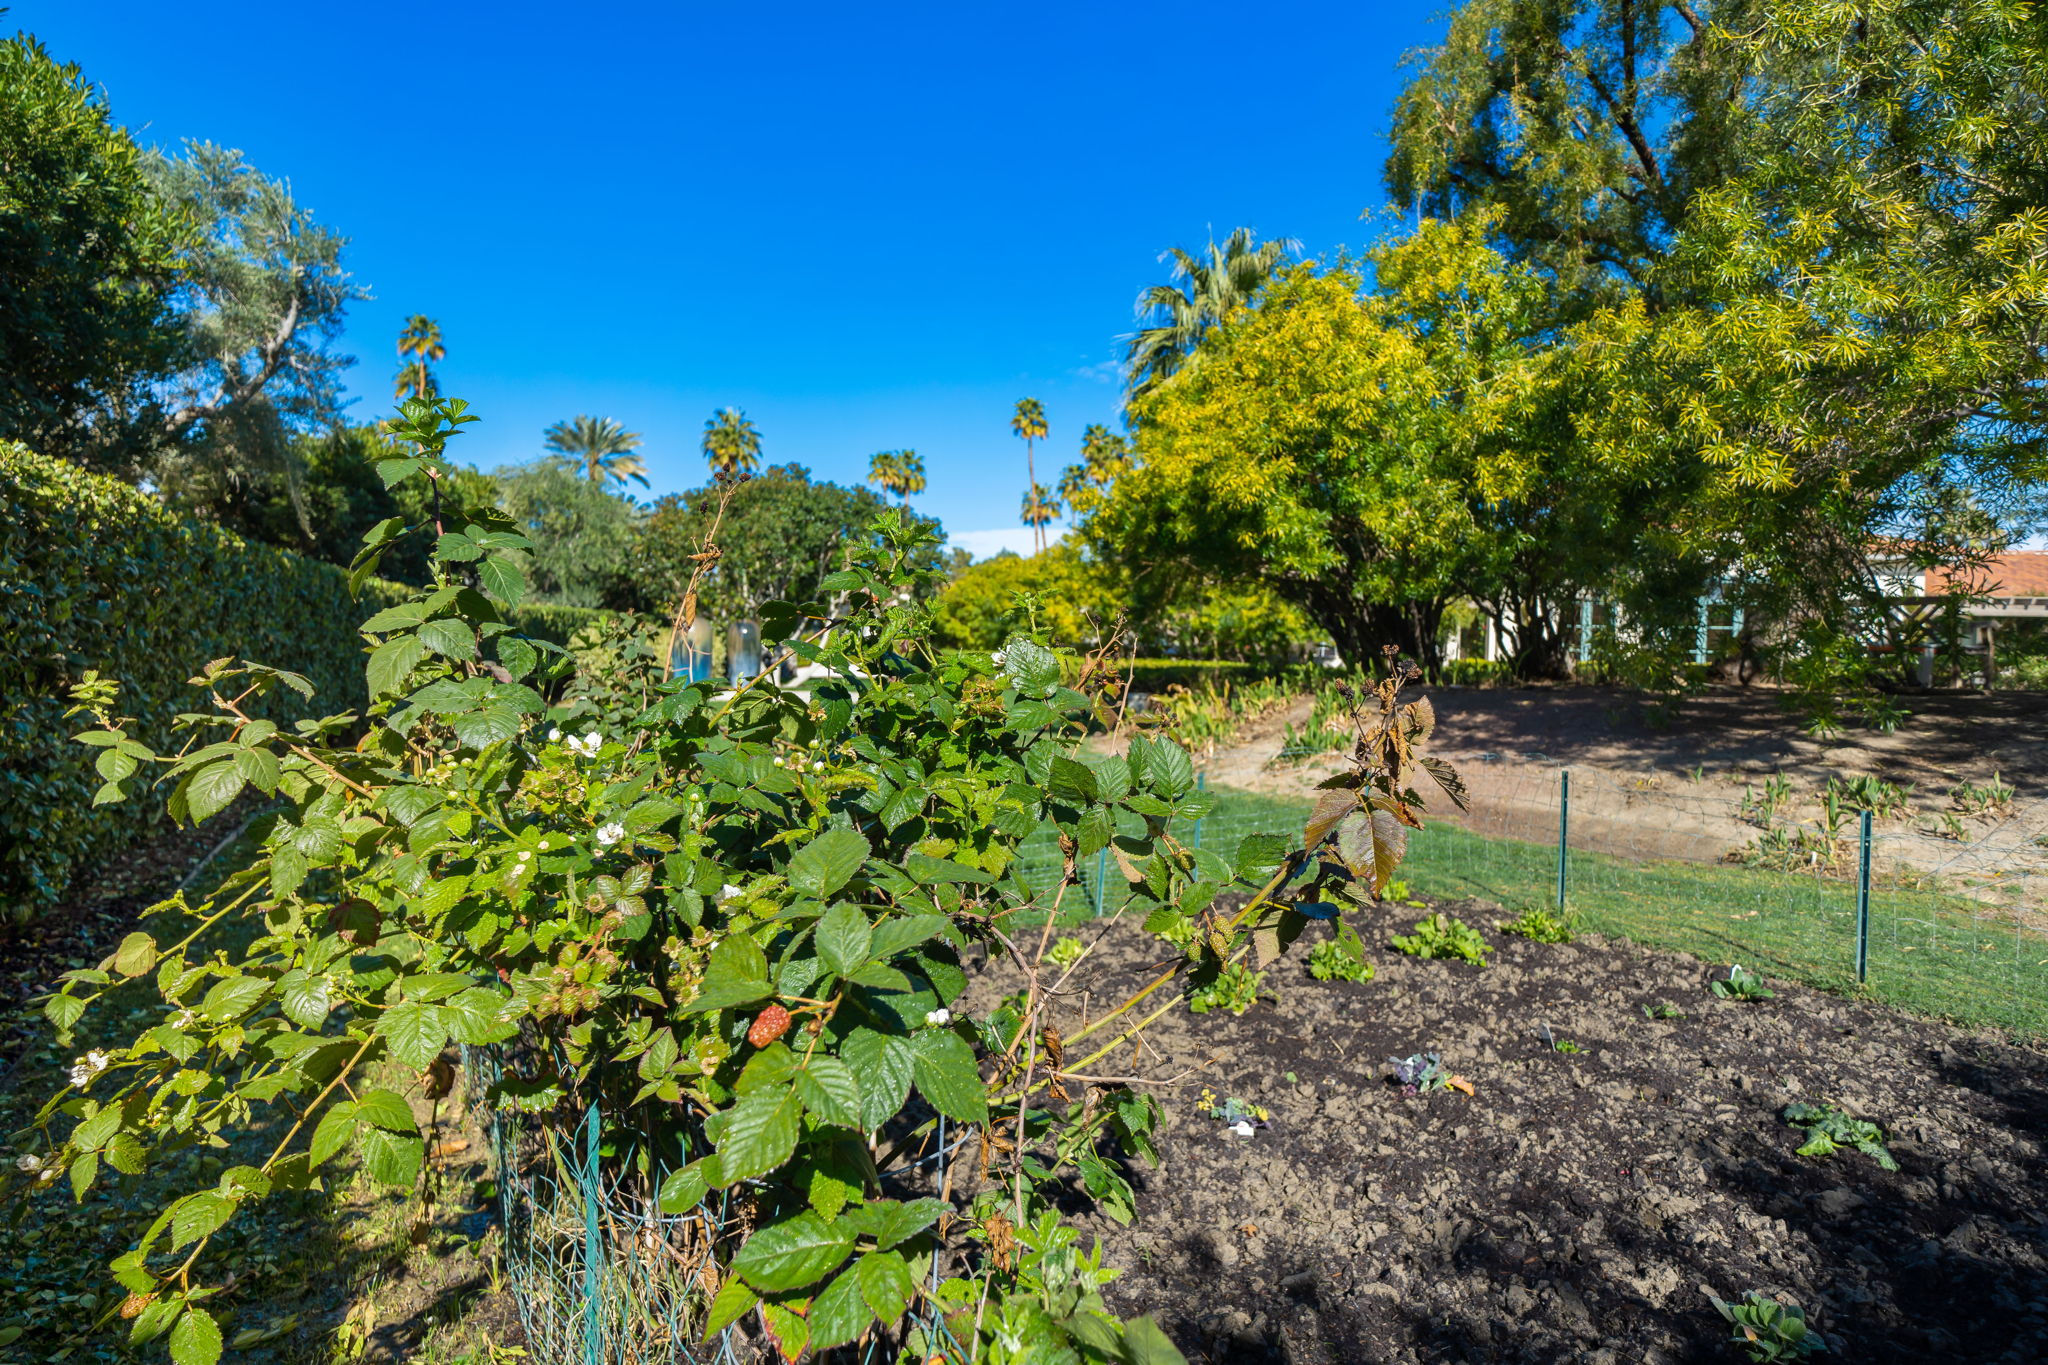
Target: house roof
(2020, 574)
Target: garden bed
(1578, 1206)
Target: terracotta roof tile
(2022, 574)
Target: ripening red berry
(769, 1025)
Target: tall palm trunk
(1031, 475)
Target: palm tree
(1039, 508)
(732, 445)
(1204, 291)
(421, 339)
(1029, 425)
(602, 446)
(897, 471)
(1105, 455)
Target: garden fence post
(1564, 827)
(593, 1187)
(1863, 899)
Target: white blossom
(999, 657)
(554, 736)
(28, 1162)
(184, 1019)
(90, 1065)
(939, 1018)
(610, 834)
(588, 745)
(728, 891)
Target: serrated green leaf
(884, 1063)
(449, 637)
(685, 1189)
(842, 939)
(885, 1284)
(838, 1314)
(797, 1251)
(392, 1158)
(332, 1133)
(946, 1074)
(196, 1338)
(387, 1110)
(233, 998)
(760, 1134)
(827, 862)
(391, 663)
(416, 1032)
(733, 1299)
(136, 955)
(197, 1216)
(830, 1090)
(209, 790)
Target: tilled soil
(1577, 1207)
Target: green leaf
(1074, 782)
(734, 1298)
(209, 790)
(760, 1134)
(947, 1076)
(197, 1216)
(929, 871)
(684, 1190)
(1145, 1344)
(196, 1338)
(838, 1314)
(885, 1063)
(885, 1284)
(457, 548)
(393, 1158)
(1169, 769)
(136, 955)
(1258, 853)
(233, 998)
(476, 729)
(827, 862)
(893, 935)
(450, 637)
(387, 1111)
(416, 1032)
(125, 1154)
(502, 579)
(332, 1133)
(891, 1223)
(83, 1171)
(737, 974)
(391, 663)
(306, 1000)
(790, 1254)
(843, 938)
(1034, 668)
(829, 1090)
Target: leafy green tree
(782, 534)
(732, 444)
(1038, 511)
(263, 295)
(583, 534)
(602, 446)
(897, 471)
(1055, 593)
(1028, 424)
(1205, 289)
(1105, 455)
(419, 349)
(88, 253)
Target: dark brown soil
(1577, 1207)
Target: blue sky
(871, 227)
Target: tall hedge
(94, 574)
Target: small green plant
(1421, 1072)
(1829, 1130)
(1768, 1330)
(1952, 827)
(1874, 794)
(1066, 952)
(1742, 984)
(1761, 808)
(1235, 988)
(1440, 936)
(1663, 1009)
(1396, 890)
(1233, 1111)
(1539, 925)
(1973, 798)
(1565, 1045)
(1341, 958)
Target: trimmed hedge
(94, 574)
(1156, 675)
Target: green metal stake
(1101, 879)
(1863, 900)
(1201, 785)
(593, 1185)
(1564, 827)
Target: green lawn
(1931, 953)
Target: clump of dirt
(1579, 1205)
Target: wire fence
(1935, 915)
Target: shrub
(95, 575)
(1440, 936)
(734, 934)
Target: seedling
(1440, 936)
(1829, 1130)
(1066, 952)
(1394, 891)
(1742, 984)
(1557, 1044)
(1236, 988)
(1539, 925)
(1974, 798)
(1874, 794)
(1768, 1330)
(1663, 1009)
(1425, 1071)
(1338, 960)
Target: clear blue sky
(869, 226)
